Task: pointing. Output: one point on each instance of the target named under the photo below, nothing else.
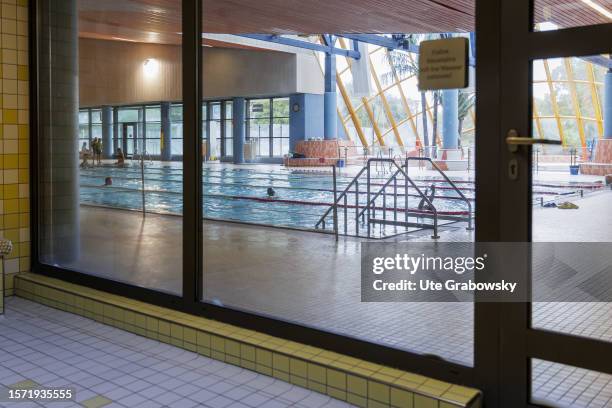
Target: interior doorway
(129, 138)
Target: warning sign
(443, 64)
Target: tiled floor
(559, 385)
(310, 279)
(112, 368)
(276, 274)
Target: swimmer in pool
(271, 192)
(108, 181)
(423, 205)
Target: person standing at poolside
(84, 155)
(97, 150)
(120, 158)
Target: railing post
(469, 158)
(346, 213)
(406, 195)
(335, 204)
(435, 220)
(368, 199)
(356, 207)
(144, 205)
(384, 206)
(395, 198)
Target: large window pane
(84, 137)
(153, 134)
(571, 203)
(103, 90)
(264, 250)
(258, 123)
(176, 123)
(280, 126)
(228, 141)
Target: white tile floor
(559, 385)
(113, 368)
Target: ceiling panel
(159, 20)
(571, 13)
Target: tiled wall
(602, 162)
(14, 137)
(361, 383)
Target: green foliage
(565, 104)
(466, 103)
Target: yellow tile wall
(14, 138)
(361, 383)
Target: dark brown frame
(518, 342)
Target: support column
(58, 170)
(297, 120)
(238, 118)
(602, 155)
(166, 132)
(305, 118)
(107, 132)
(116, 131)
(607, 105)
(330, 103)
(450, 119)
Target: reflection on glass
(274, 257)
(571, 201)
(105, 130)
(558, 14)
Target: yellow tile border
(346, 378)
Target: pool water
(240, 194)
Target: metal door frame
(519, 46)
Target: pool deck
(541, 176)
(275, 274)
(305, 277)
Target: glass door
(556, 87)
(215, 131)
(130, 131)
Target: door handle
(513, 140)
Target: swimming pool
(240, 194)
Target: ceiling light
(150, 67)
(547, 26)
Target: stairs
(370, 209)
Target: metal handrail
(418, 190)
(405, 165)
(380, 191)
(368, 205)
(339, 198)
(335, 204)
(449, 181)
(371, 199)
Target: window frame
(192, 250)
(492, 322)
